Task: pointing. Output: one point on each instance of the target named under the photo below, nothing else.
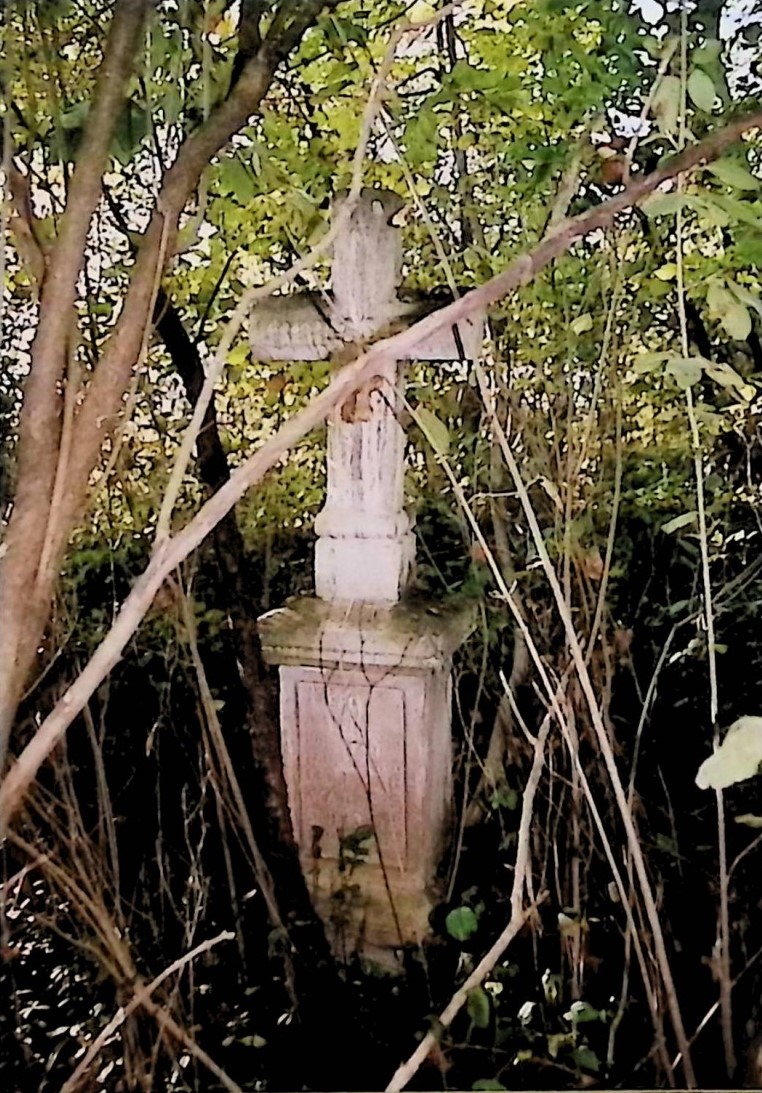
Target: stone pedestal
(365, 698)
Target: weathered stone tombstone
(365, 686)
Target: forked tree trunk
(53, 478)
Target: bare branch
(170, 552)
(140, 997)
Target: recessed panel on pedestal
(348, 760)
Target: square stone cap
(411, 636)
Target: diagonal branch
(171, 552)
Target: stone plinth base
(365, 730)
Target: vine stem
(723, 939)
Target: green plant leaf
(461, 923)
(737, 321)
(707, 207)
(234, 178)
(582, 323)
(718, 297)
(701, 90)
(557, 1041)
(586, 1058)
(666, 104)
(707, 54)
(684, 520)
(437, 433)
(478, 1007)
(748, 819)
(737, 758)
(727, 377)
(664, 204)
(488, 1083)
(253, 1041)
(685, 370)
(734, 174)
(648, 362)
(422, 137)
(582, 1012)
(738, 210)
(749, 299)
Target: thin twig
(141, 995)
(519, 915)
(723, 939)
(604, 742)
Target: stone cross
(365, 690)
(365, 547)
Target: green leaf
(420, 11)
(677, 522)
(664, 204)
(504, 797)
(461, 923)
(737, 321)
(706, 54)
(586, 1058)
(748, 819)
(648, 362)
(478, 1007)
(746, 297)
(435, 430)
(685, 370)
(557, 1041)
(253, 1041)
(738, 210)
(581, 1012)
(701, 90)
(734, 174)
(422, 137)
(727, 377)
(666, 104)
(711, 211)
(488, 1083)
(131, 128)
(239, 355)
(718, 297)
(737, 758)
(234, 178)
(75, 116)
(582, 323)
(667, 272)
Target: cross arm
(308, 328)
(293, 328)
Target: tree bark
(38, 532)
(22, 610)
